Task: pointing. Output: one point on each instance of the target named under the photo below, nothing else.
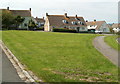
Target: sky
(89, 9)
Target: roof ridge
(19, 10)
(96, 21)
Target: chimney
(94, 20)
(7, 8)
(46, 14)
(76, 16)
(65, 15)
(30, 9)
(86, 20)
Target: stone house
(116, 27)
(98, 26)
(23, 13)
(65, 21)
(40, 22)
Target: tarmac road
(9, 73)
(106, 50)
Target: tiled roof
(57, 20)
(40, 20)
(23, 13)
(116, 25)
(98, 23)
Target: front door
(78, 28)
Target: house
(25, 14)
(40, 22)
(98, 26)
(116, 27)
(65, 21)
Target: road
(118, 40)
(9, 73)
(106, 50)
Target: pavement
(106, 50)
(9, 73)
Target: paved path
(118, 40)
(9, 73)
(106, 50)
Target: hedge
(63, 30)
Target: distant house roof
(109, 25)
(98, 23)
(116, 25)
(23, 13)
(41, 20)
(57, 20)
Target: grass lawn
(60, 57)
(111, 40)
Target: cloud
(90, 9)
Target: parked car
(98, 32)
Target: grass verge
(60, 57)
(112, 41)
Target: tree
(19, 20)
(32, 25)
(7, 19)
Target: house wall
(47, 25)
(82, 29)
(91, 26)
(104, 28)
(25, 23)
(116, 30)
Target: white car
(99, 32)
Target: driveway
(106, 50)
(9, 73)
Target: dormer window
(65, 21)
(92, 25)
(77, 18)
(80, 23)
(74, 23)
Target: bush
(63, 30)
(41, 28)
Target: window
(83, 28)
(42, 24)
(25, 24)
(74, 23)
(90, 25)
(77, 18)
(65, 21)
(80, 23)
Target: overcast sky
(89, 9)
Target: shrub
(40, 28)
(63, 30)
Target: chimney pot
(65, 15)
(7, 8)
(46, 14)
(86, 20)
(76, 16)
(95, 20)
(30, 9)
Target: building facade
(40, 22)
(98, 26)
(25, 14)
(116, 27)
(65, 21)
